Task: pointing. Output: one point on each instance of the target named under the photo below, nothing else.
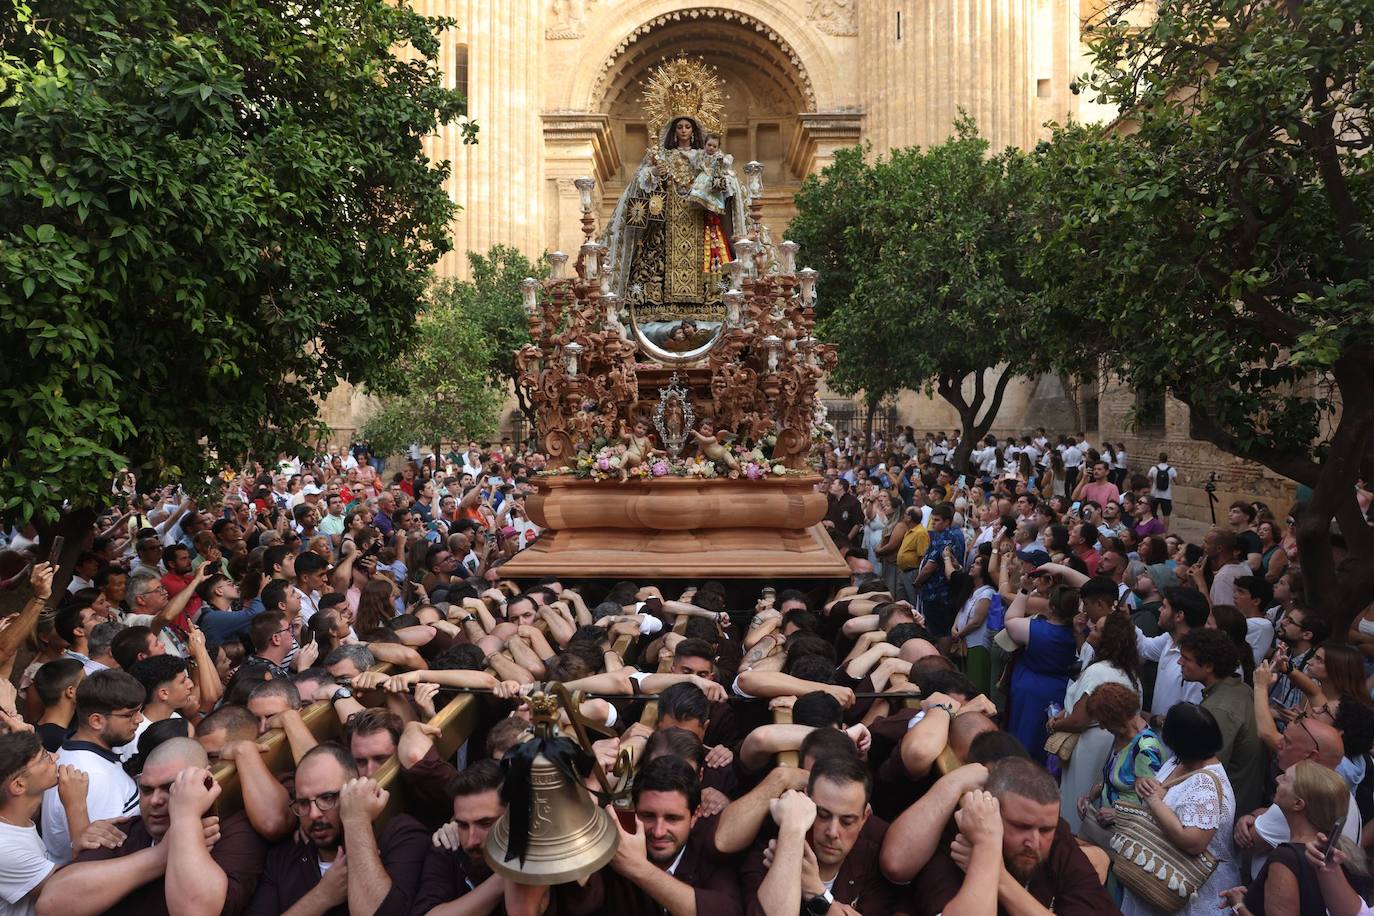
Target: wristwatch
(343, 693)
(818, 905)
(469, 618)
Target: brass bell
(570, 836)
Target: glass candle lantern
(774, 344)
(584, 187)
(529, 291)
(733, 299)
(558, 262)
(754, 182)
(590, 259)
(744, 252)
(808, 285)
(787, 257)
(572, 351)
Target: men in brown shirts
(1042, 870)
(824, 859)
(171, 849)
(457, 869)
(341, 865)
(666, 864)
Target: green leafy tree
(1223, 240)
(492, 298)
(460, 363)
(209, 213)
(443, 387)
(923, 286)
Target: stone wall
(1236, 479)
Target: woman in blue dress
(1049, 652)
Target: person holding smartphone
(1314, 800)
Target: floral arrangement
(606, 463)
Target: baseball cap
(1033, 555)
(311, 490)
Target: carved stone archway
(770, 113)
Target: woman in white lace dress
(1194, 805)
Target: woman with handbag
(1137, 753)
(1116, 660)
(1312, 798)
(1042, 671)
(1191, 811)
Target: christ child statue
(708, 188)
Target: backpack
(1161, 477)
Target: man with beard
(109, 706)
(456, 868)
(341, 865)
(1042, 867)
(664, 864)
(173, 849)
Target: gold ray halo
(684, 86)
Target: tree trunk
(977, 415)
(1339, 589)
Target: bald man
(910, 770)
(167, 850)
(1264, 828)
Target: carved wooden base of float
(679, 528)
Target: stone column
(575, 144)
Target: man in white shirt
(985, 458)
(26, 772)
(1073, 463)
(168, 688)
(1183, 609)
(83, 576)
(1225, 556)
(109, 707)
(939, 451)
(149, 558)
(1162, 498)
(1252, 595)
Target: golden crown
(684, 86)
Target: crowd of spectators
(1024, 651)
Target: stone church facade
(555, 86)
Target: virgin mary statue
(667, 246)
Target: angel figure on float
(638, 447)
(710, 446)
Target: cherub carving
(638, 447)
(710, 446)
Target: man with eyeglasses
(175, 849)
(109, 706)
(1305, 738)
(341, 864)
(270, 634)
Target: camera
(1211, 485)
